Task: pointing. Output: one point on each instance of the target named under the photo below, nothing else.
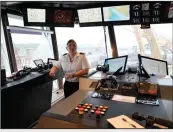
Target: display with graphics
(170, 13)
(90, 15)
(36, 15)
(116, 13)
(116, 63)
(152, 66)
(61, 16)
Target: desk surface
(133, 78)
(26, 80)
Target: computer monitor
(39, 62)
(50, 60)
(154, 66)
(117, 63)
(116, 13)
(36, 15)
(89, 15)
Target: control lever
(153, 121)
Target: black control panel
(104, 95)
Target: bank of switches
(92, 110)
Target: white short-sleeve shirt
(69, 67)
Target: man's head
(71, 46)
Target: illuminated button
(86, 110)
(86, 104)
(76, 108)
(98, 114)
(81, 103)
(104, 110)
(88, 107)
(101, 107)
(105, 107)
(92, 111)
(95, 109)
(79, 106)
(96, 106)
(102, 113)
(81, 111)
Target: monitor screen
(39, 62)
(36, 15)
(53, 61)
(90, 15)
(63, 16)
(154, 66)
(116, 13)
(170, 13)
(116, 63)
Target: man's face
(72, 47)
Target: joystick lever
(151, 120)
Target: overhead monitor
(36, 15)
(116, 13)
(154, 66)
(117, 63)
(170, 13)
(90, 15)
(62, 16)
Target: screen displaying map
(116, 13)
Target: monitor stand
(145, 74)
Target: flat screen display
(170, 13)
(36, 15)
(116, 13)
(63, 16)
(116, 63)
(153, 66)
(90, 15)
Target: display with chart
(170, 13)
(36, 15)
(153, 66)
(116, 13)
(89, 15)
(116, 63)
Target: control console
(107, 96)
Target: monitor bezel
(117, 21)
(141, 56)
(90, 23)
(38, 60)
(48, 21)
(126, 56)
(51, 59)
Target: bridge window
(4, 56)
(90, 40)
(29, 47)
(155, 42)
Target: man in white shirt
(74, 64)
